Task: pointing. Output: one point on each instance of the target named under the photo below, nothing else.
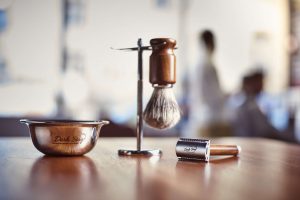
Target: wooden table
(266, 169)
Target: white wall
(235, 22)
(31, 45)
(113, 74)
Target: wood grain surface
(266, 169)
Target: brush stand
(139, 121)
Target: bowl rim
(63, 122)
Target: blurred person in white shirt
(206, 98)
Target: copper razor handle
(224, 150)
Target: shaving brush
(162, 110)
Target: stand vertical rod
(139, 127)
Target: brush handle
(223, 150)
(162, 61)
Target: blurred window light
(162, 3)
(3, 20)
(74, 12)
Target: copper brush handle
(162, 62)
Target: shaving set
(75, 138)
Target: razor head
(193, 149)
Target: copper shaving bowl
(64, 137)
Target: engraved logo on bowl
(191, 149)
(58, 139)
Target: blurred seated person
(206, 99)
(236, 100)
(251, 114)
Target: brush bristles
(162, 110)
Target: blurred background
(238, 64)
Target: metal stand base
(153, 152)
